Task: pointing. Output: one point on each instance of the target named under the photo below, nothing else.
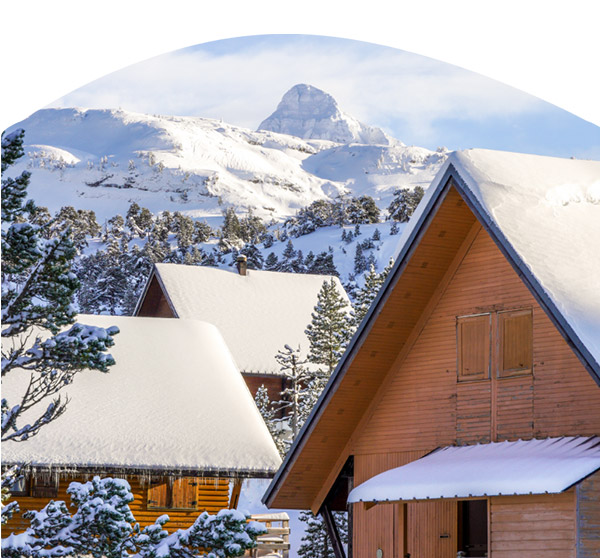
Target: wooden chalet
(464, 418)
(257, 312)
(173, 416)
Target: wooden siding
(533, 526)
(424, 406)
(588, 517)
(212, 496)
(155, 304)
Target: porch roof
(523, 467)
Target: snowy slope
(106, 159)
(310, 113)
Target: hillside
(105, 159)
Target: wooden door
(431, 529)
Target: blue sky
(416, 99)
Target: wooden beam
(332, 532)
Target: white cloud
(242, 80)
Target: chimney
(242, 264)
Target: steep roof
(544, 215)
(174, 402)
(257, 313)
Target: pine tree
(315, 541)
(103, 526)
(360, 261)
(404, 203)
(296, 401)
(272, 262)
(365, 296)
(38, 287)
(330, 328)
(287, 258)
(269, 414)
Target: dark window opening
(473, 528)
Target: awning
(499, 468)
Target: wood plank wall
(424, 407)
(533, 526)
(213, 495)
(588, 517)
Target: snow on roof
(548, 209)
(174, 400)
(498, 468)
(257, 313)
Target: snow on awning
(498, 468)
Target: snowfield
(106, 159)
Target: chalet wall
(213, 495)
(423, 406)
(533, 526)
(588, 517)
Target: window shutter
(473, 337)
(158, 496)
(515, 331)
(184, 493)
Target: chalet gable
(469, 199)
(257, 312)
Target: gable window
(179, 494)
(473, 336)
(515, 336)
(506, 348)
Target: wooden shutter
(473, 340)
(184, 494)
(158, 495)
(515, 331)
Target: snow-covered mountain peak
(308, 112)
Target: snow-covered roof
(174, 401)
(548, 211)
(257, 313)
(498, 468)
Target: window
(511, 353)
(44, 487)
(473, 336)
(515, 336)
(173, 494)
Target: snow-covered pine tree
(315, 541)
(272, 262)
(330, 328)
(103, 526)
(322, 264)
(38, 287)
(364, 297)
(269, 415)
(404, 203)
(287, 258)
(360, 261)
(296, 400)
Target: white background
(547, 48)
